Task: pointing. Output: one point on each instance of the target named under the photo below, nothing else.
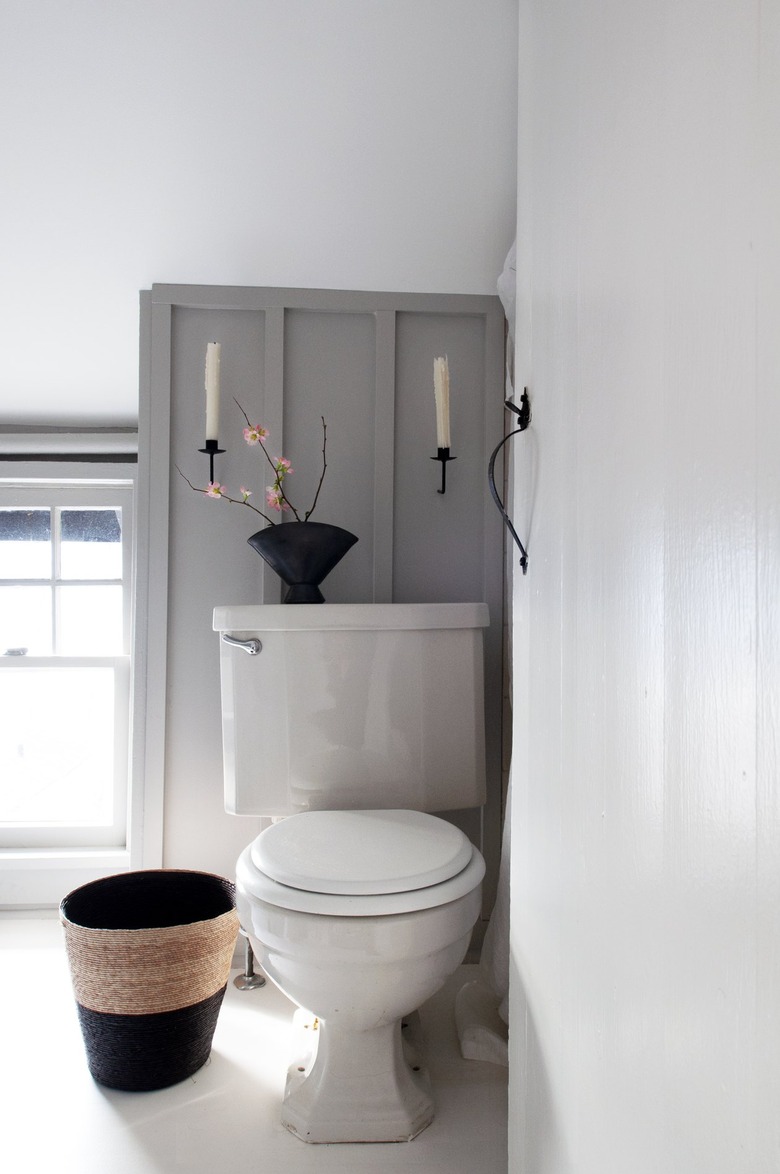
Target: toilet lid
(361, 852)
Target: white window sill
(39, 879)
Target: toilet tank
(352, 706)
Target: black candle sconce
(212, 448)
(443, 455)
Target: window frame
(37, 876)
(57, 495)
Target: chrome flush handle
(252, 646)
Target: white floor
(54, 1117)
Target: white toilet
(355, 721)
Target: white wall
(645, 939)
(315, 143)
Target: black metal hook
(523, 414)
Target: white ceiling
(335, 143)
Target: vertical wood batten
(384, 456)
(766, 1074)
(493, 555)
(152, 611)
(273, 399)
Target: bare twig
(324, 467)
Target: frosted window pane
(56, 745)
(25, 544)
(91, 544)
(90, 621)
(25, 619)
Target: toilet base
(356, 1086)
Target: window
(65, 638)
(67, 686)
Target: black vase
(302, 554)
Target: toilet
(349, 725)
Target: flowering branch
(214, 489)
(275, 496)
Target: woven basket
(150, 956)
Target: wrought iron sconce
(523, 414)
(443, 455)
(212, 448)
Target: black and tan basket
(150, 955)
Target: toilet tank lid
(277, 617)
(361, 852)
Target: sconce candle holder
(212, 448)
(443, 455)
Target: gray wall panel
(364, 360)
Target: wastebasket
(150, 955)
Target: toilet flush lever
(252, 646)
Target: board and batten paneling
(364, 362)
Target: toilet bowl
(373, 912)
(349, 725)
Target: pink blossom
(274, 499)
(214, 489)
(245, 493)
(283, 466)
(255, 434)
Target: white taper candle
(213, 356)
(441, 391)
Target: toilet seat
(360, 863)
(361, 852)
